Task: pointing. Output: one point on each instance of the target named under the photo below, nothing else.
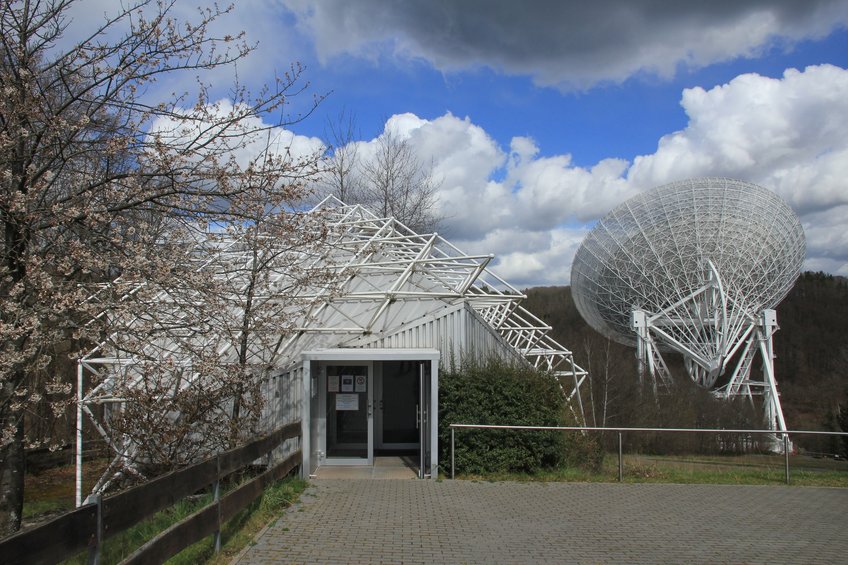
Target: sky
(539, 117)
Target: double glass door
(392, 416)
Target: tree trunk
(12, 481)
(17, 240)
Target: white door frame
(369, 355)
(369, 407)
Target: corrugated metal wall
(283, 405)
(458, 334)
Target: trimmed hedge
(499, 393)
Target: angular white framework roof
(385, 278)
(393, 278)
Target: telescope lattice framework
(696, 267)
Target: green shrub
(500, 393)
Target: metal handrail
(783, 433)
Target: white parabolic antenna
(697, 267)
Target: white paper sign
(347, 401)
(347, 383)
(332, 383)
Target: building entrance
(360, 407)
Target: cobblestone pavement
(422, 521)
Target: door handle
(417, 415)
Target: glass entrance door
(349, 414)
(403, 400)
(398, 405)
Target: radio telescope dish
(694, 266)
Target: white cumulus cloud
(244, 140)
(532, 210)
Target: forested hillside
(811, 365)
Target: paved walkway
(383, 468)
(422, 521)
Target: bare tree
(397, 184)
(393, 182)
(340, 175)
(97, 180)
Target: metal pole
(786, 456)
(620, 459)
(453, 440)
(78, 485)
(216, 497)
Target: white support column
(306, 416)
(78, 489)
(639, 324)
(771, 398)
(577, 383)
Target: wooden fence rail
(88, 526)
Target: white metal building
(361, 368)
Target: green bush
(500, 393)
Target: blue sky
(541, 116)
(611, 120)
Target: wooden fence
(90, 525)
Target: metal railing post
(620, 459)
(453, 443)
(786, 456)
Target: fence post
(620, 459)
(94, 551)
(453, 466)
(216, 498)
(786, 456)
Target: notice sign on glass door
(332, 383)
(347, 402)
(361, 383)
(347, 383)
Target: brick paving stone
(423, 521)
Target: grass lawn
(740, 469)
(50, 493)
(236, 534)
